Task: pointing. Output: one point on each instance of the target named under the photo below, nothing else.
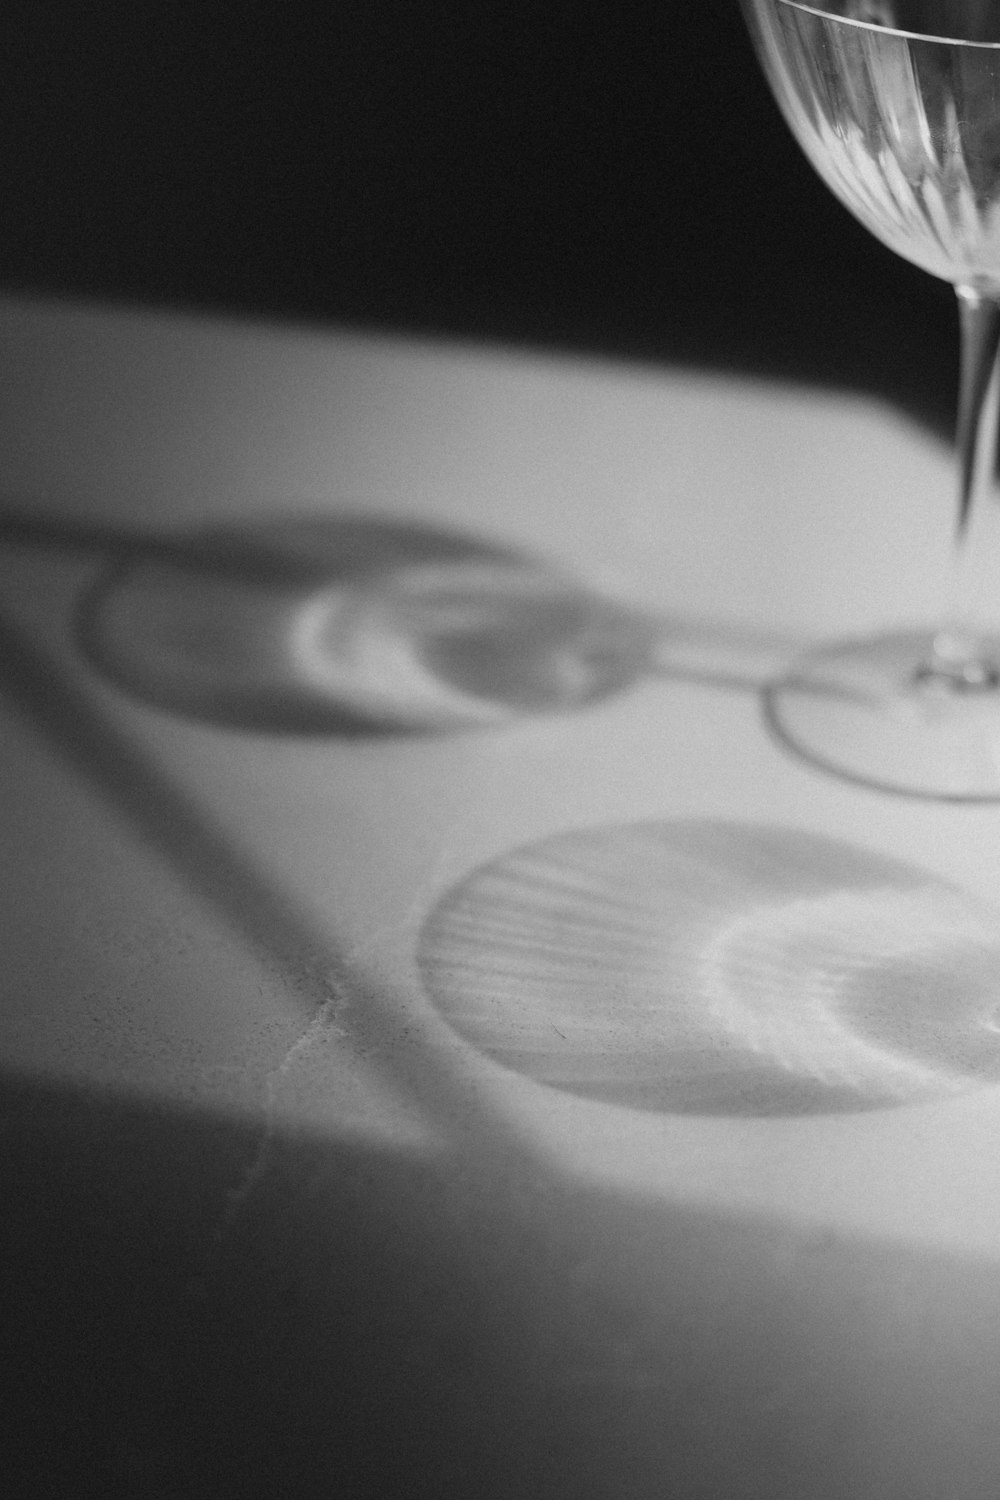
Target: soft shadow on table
(383, 1325)
(349, 625)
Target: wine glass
(896, 103)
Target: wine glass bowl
(896, 103)
(904, 128)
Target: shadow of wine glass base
(385, 629)
(352, 625)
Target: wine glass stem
(958, 659)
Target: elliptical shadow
(355, 626)
(360, 626)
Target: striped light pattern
(719, 968)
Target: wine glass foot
(881, 712)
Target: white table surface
(211, 939)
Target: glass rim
(875, 26)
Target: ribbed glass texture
(897, 105)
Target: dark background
(605, 177)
